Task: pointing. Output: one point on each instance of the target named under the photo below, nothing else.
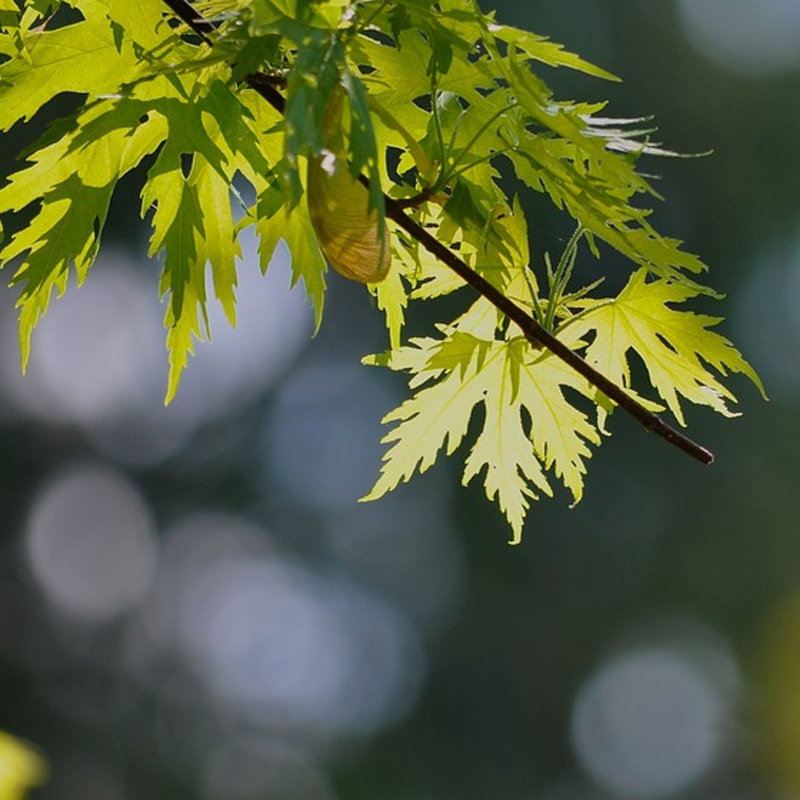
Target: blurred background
(193, 604)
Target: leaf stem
(562, 275)
(453, 171)
(533, 331)
(436, 121)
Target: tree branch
(531, 329)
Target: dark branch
(532, 330)
(416, 201)
(184, 10)
(538, 336)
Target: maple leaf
(183, 277)
(275, 222)
(676, 346)
(529, 425)
(221, 133)
(82, 57)
(391, 294)
(73, 179)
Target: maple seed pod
(338, 204)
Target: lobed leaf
(529, 425)
(441, 101)
(674, 345)
(78, 58)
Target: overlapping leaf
(78, 58)
(439, 95)
(73, 178)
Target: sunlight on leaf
(674, 345)
(337, 128)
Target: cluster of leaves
(438, 97)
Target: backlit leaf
(439, 107)
(676, 346)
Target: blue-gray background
(194, 605)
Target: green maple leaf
(82, 57)
(73, 178)
(184, 278)
(529, 425)
(194, 226)
(676, 346)
(391, 295)
(293, 226)
(542, 49)
(183, 207)
(63, 233)
(140, 22)
(219, 246)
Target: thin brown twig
(415, 201)
(532, 330)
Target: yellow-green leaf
(676, 346)
(21, 768)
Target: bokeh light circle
(767, 318)
(98, 359)
(93, 353)
(90, 543)
(750, 37)
(648, 723)
(289, 649)
(322, 440)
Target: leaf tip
(516, 537)
(372, 495)
(172, 389)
